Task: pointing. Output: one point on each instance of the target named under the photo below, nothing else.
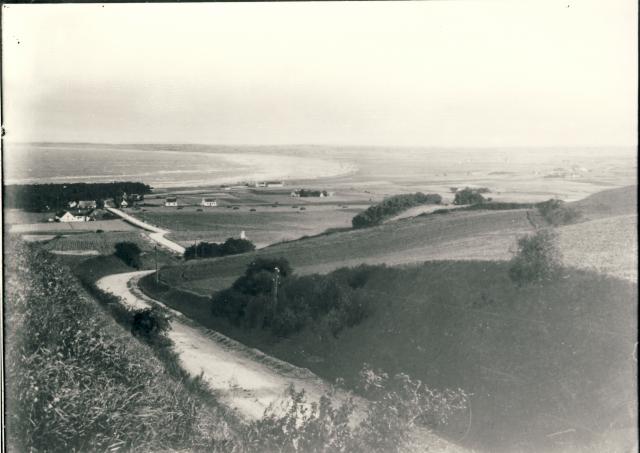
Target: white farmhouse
(209, 202)
(171, 201)
(123, 203)
(68, 217)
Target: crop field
(264, 225)
(70, 227)
(103, 243)
(608, 245)
(464, 235)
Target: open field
(69, 227)
(464, 235)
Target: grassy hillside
(76, 381)
(610, 202)
(458, 235)
(548, 367)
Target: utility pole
(275, 290)
(155, 248)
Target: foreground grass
(549, 366)
(78, 382)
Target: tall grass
(77, 382)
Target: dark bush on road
(149, 324)
(129, 253)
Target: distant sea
(157, 165)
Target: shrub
(149, 324)
(231, 246)
(537, 258)
(396, 405)
(377, 213)
(468, 196)
(556, 212)
(129, 253)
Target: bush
(469, 196)
(396, 406)
(556, 212)
(149, 324)
(377, 213)
(335, 301)
(129, 253)
(537, 258)
(231, 246)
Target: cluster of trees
(51, 197)
(211, 249)
(537, 259)
(470, 196)
(378, 213)
(556, 212)
(269, 297)
(129, 253)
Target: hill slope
(458, 235)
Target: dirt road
(155, 233)
(244, 379)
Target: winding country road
(244, 379)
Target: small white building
(68, 217)
(73, 204)
(274, 184)
(243, 235)
(123, 203)
(171, 201)
(209, 202)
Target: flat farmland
(70, 227)
(487, 235)
(103, 243)
(263, 224)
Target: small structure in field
(243, 235)
(171, 201)
(209, 202)
(274, 184)
(72, 204)
(123, 203)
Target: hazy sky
(457, 73)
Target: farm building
(123, 203)
(209, 202)
(72, 204)
(68, 217)
(171, 201)
(274, 184)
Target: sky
(432, 73)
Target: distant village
(91, 210)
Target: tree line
(231, 246)
(387, 208)
(51, 197)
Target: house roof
(171, 199)
(209, 200)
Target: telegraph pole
(275, 290)
(155, 248)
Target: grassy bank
(537, 360)
(76, 381)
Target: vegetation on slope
(387, 208)
(231, 246)
(76, 381)
(469, 196)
